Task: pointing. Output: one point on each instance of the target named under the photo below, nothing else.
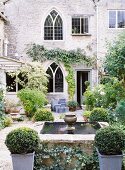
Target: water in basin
(61, 128)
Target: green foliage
(72, 104)
(115, 58)
(120, 112)
(110, 140)
(43, 115)
(87, 114)
(2, 113)
(64, 157)
(71, 81)
(40, 53)
(89, 99)
(32, 100)
(114, 92)
(106, 95)
(22, 140)
(32, 76)
(7, 121)
(99, 115)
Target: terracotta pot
(85, 118)
(72, 109)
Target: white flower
(102, 93)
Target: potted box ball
(110, 143)
(22, 143)
(72, 106)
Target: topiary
(43, 115)
(22, 140)
(110, 140)
(99, 114)
(72, 105)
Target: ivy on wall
(40, 53)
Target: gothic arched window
(53, 27)
(55, 83)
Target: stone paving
(5, 158)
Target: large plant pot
(23, 161)
(110, 162)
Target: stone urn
(70, 119)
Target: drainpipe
(97, 13)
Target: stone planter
(110, 162)
(23, 161)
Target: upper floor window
(117, 19)
(80, 25)
(53, 27)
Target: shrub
(99, 114)
(22, 140)
(87, 114)
(7, 121)
(110, 140)
(43, 115)
(72, 104)
(32, 100)
(120, 111)
(89, 99)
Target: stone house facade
(65, 24)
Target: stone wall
(27, 24)
(106, 34)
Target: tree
(32, 76)
(115, 58)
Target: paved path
(5, 158)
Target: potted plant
(22, 143)
(110, 143)
(86, 115)
(72, 105)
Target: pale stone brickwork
(26, 25)
(27, 19)
(106, 34)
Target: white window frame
(116, 19)
(54, 74)
(53, 40)
(80, 25)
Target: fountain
(70, 119)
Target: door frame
(89, 78)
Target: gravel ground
(5, 158)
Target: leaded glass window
(53, 27)
(55, 76)
(80, 25)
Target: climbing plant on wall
(40, 53)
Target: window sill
(55, 93)
(11, 93)
(81, 34)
